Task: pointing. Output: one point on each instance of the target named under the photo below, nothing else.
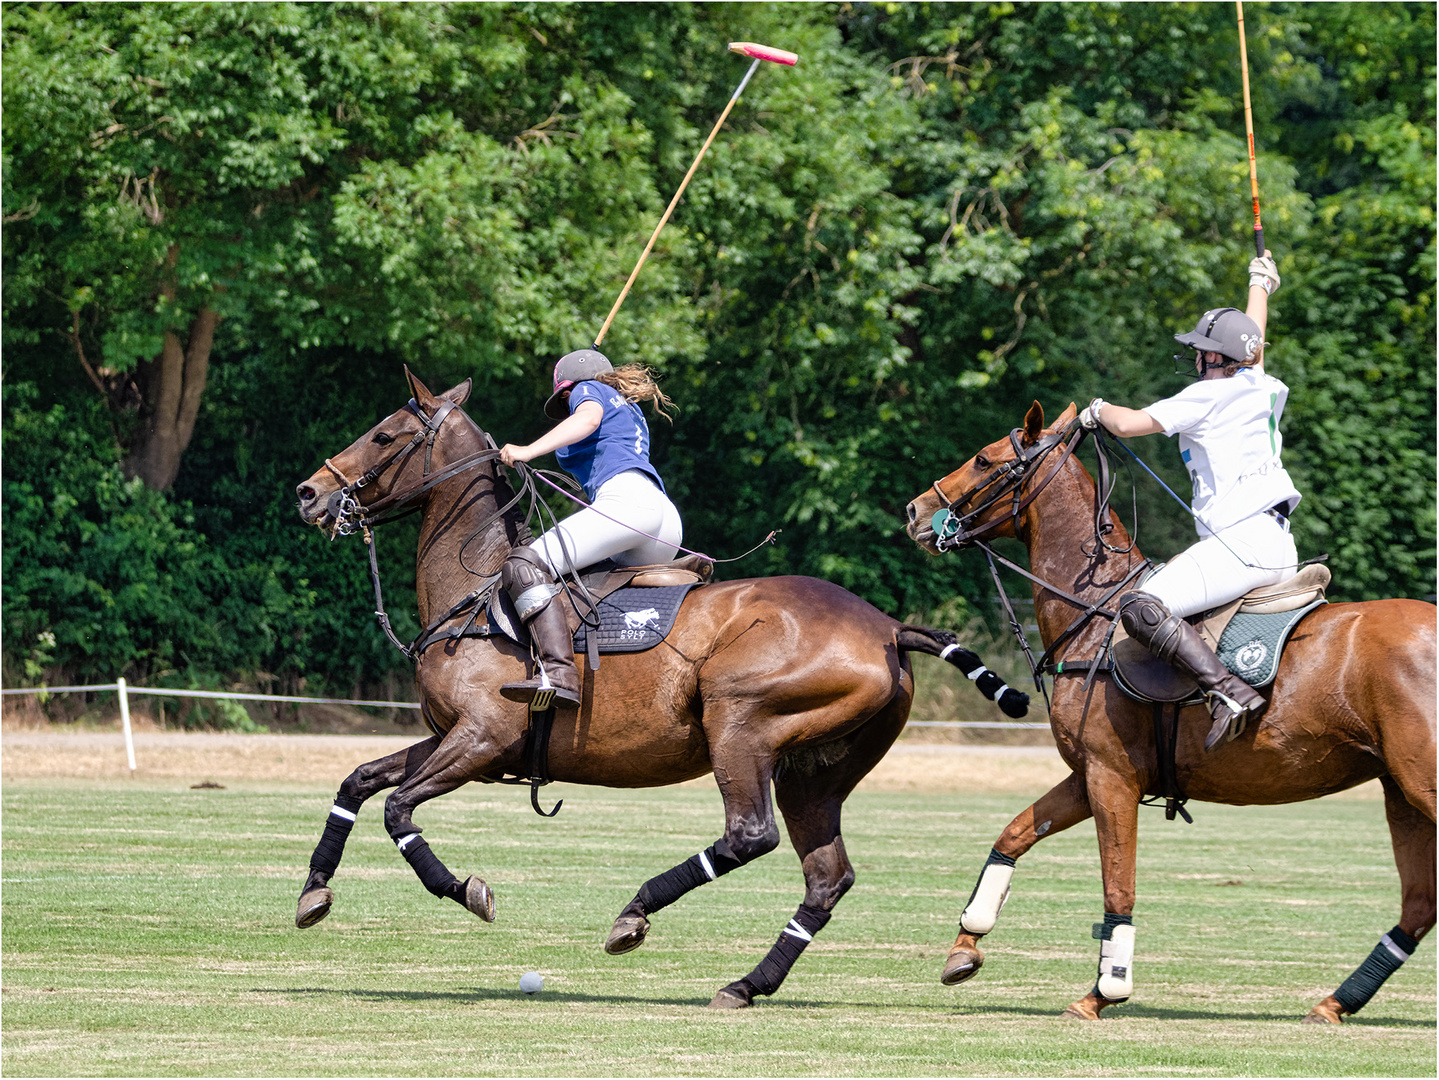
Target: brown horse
(1354, 700)
(787, 681)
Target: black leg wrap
(427, 866)
(331, 847)
(1393, 949)
(807, 922)
(662, 891)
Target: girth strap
(1166, 743)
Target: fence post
(125, 723)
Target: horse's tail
(946, 646)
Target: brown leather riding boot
(554, 648)
(532, 586)
(1232, 701)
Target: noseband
(953, 529)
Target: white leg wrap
(980, 915)
(1116, 964)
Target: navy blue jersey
(620, 443)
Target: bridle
(344, 506)
(350, 516)
(1020, 482)
(954, 529)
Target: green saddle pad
(1251, 644)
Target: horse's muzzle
(919, 528)
(314, 505)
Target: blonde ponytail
(637, 383)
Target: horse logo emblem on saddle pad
(638, 620)
(1249, 658)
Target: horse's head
(389, 459)
(982, 498)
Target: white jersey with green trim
(1229, 439)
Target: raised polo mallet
(745, 48)
(1249, 130)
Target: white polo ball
(532, 982)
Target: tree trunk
(172, 385)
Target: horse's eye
(382, 439)
(981, 462)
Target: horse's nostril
(306, 493)
(912, 512)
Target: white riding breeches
(1248, 555)
(625, 507)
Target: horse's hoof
(1328, 1011)
(627, 934)
(1086, 1008)
(479, 899)
(314, 906)
(736, 995)
(962, 964)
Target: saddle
(1248, 635)
(632, 608)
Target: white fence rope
(124, 691)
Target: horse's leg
(813, 827)
(1413, 835)
(315, 896)
(750, 831)
(461, 756)
(1065, 805)
(1114, 800)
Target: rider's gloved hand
(1264, 273)
(1089, 418)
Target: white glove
(1264, 273)
(1089, 418)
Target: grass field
(148, 930)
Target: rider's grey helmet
(573, 368)
(1227, 331)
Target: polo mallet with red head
(745, 48)
(1249, 130)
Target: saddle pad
(1252, 643)
(634, 619)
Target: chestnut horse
(1354, 700)
(786, 681)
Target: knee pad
(990, 893)
(527, 578)
(1149, 622)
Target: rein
(351, 516)
(954, 530)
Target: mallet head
(764, 52)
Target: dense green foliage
(943, 213)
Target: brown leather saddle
(1145, 677)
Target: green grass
(148, 930)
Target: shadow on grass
(1035, 1012)
(489, 993)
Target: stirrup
(1225, 728)
(545, 695)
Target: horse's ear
(418, 390)
(458, 394)
(1067, 417)
(1033, 422)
